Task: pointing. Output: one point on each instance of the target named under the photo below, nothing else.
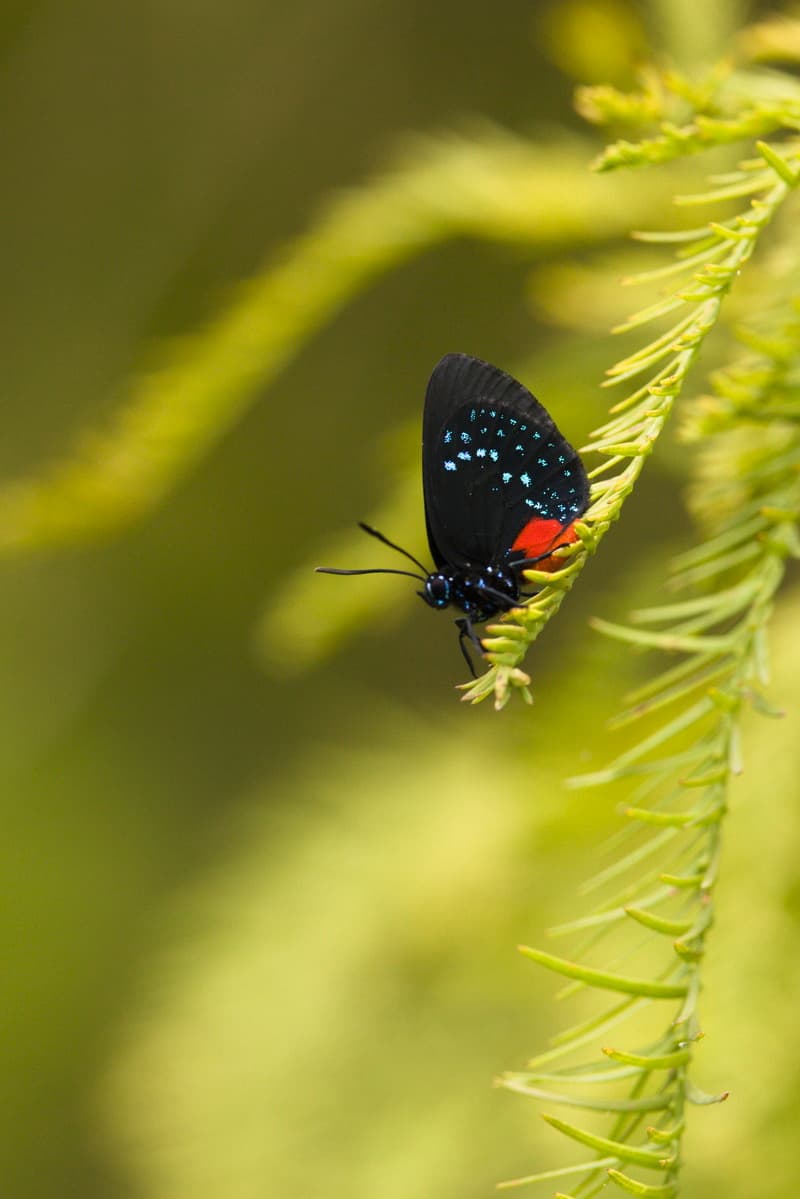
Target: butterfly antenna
(374, 533)
(377, 570)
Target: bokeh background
(262, 875)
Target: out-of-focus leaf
(489, 185)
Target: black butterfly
(502, 490)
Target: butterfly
(502, 488)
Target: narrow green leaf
(744, 531)
(727, 232)
(665, 819)
(648, 1103)
(674, 235)
(666, 339)
(629, 403)
(586, 1031)
(669, 677)
(507, 630)
(625, 863)
(651, 313)
(601, 1075)
(661, 767)
(669, 695)
(627, 1124)
(687, 952)
(603, 979)
(684, 720)
(640, 1157)
(584, 1168)
(651, 1061)
(685, 881)
(715, 566)
(665, 641)
(612, 911)
(596, 920)
(664, 1136)
(778, 163)
(651, 846)
(667, 1190)
(598, 488)
(626, 368)
(500, 652)
(702, 1098)
(744, 169)
(717, 774)
(702, 604)
(734, 191)
(549, 578)
(670, 928)
(674, 268)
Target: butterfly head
(437, 591)
(478, 591)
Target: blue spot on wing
(533, 471)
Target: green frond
(676, 141)
(746, 497)
(735, 661)
(637, 422)
(604, 105)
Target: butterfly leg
(461, 625)
(467, 633)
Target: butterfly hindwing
(494, 466)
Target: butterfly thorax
(480, 591)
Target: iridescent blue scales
(491, 452)
(480, 442)
(502, 491)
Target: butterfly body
(502, 488)
(480, 592)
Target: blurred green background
(263, 877)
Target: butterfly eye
(437, 591)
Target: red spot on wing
(540, 536)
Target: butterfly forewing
(493, 462)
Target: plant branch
(638, 420)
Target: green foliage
(489, 185)
(712, 258)
(659, 893)
(413, 834)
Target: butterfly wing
(498, 477)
